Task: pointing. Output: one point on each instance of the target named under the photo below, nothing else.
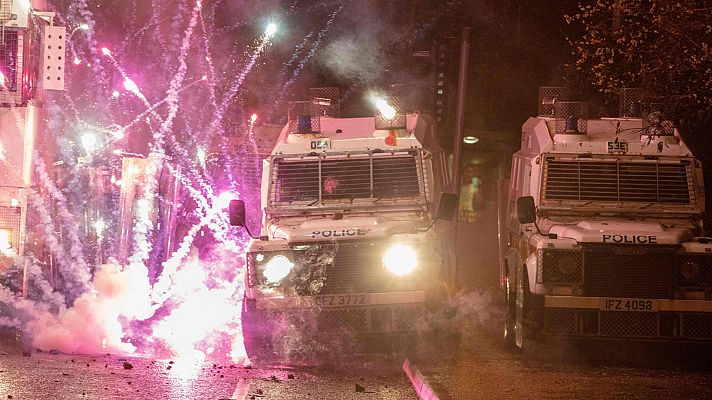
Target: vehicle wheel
(257, 336)
(523, 301)
(510, 297)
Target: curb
(421, 386)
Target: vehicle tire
(257, 336)
(510, 302)
(523, 305)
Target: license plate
(616, 147)
(623, 304)
(342, 300)
(320, 144)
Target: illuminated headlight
(400, 259)
(690, 270)
(277, 268)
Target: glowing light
(89, 141)
(25, 4)
(223, 200)
(77, 61)
(277, 268)
(253, 118)
(5, 240)
(115, 94)
(99, 226)
(400, 259)
(119, 134)
(84, 27)
(271, 30)
(14, 202)
(201, 156)
(385, 109)
(2, 79)
(470, 139)
(2, 152)
(131, 86)
(105, 51)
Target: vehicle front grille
(591, 180)
(697, 326)
(645, 325)
(636, 324)
(629, 271)
(351, 267)
(344, 268)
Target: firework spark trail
(69, 221)
(408, 38)
(151, 110)
(214, 217)
(310, 54)
(208, 216)
(87, 17)
(144, 206)
(297, 50)
(211, 67)
(50, 237)
(46, 292)
(160, 291)
(237, 83)
(177, 81)
(143, 225)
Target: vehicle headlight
(689, 270)
(400, 259)
(567, 265)
(277, 268)
(559, 266)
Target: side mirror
(526, 212)
(236, 211)
(447, 207)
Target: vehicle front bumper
(385, 312)
(680, 320)
(347, 300)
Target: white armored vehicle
(348, 244)
(604, 229)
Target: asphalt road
(62, 376)
(479, 369)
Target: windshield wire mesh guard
(356, 179)
(569, 181)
